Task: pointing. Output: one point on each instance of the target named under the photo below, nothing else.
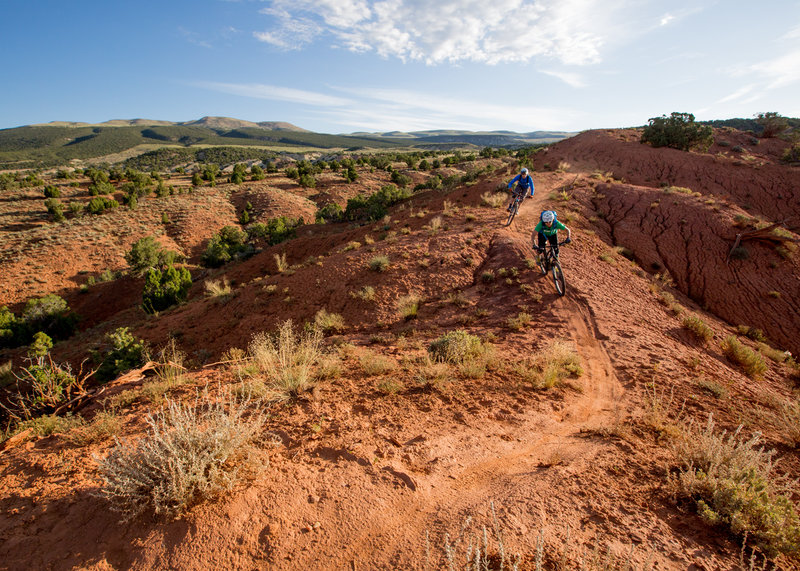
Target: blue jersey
(525, 183)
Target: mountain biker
(547, 230)
(524, 182)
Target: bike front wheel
(513, 213)
(540, 261)
(558, 279)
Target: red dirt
(360, 476)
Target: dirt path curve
(497, 469)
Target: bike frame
(549, 262)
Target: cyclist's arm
(513, 180)
(532, 189)
(569, 232)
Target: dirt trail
(491, 469)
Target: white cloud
(276, 93)
(666, 19)
(778, 72)
(573, 32)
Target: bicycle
(548, 262)
(516, 201)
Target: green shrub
(223, 246)
(163, 289)
(276, 230)
(125, 353)
(307, 181)
(147, 253)
(331, 212)
(678, 131)
(792, 154)
(51, 191)
(238, 174)
(257, 172)
(49, 314)
(40, 346)
(49, 385)
(99, 204)
(101, 187)
(376, 205)
(55, 209)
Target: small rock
(312, 499)
(317, 525)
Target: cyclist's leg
(554, 242)
(542, 240)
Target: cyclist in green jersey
(547, 230)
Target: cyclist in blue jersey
(524, 184)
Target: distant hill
(61, 142)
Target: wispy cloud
(275, 93)
(738, 94)
(383, 106)
(573, 79)
(569, 31)
(777, 72)
(376, 109)
(193, 37)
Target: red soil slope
(358, 475)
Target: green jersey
(542, 229)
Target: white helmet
(548, 217)
(523, 172)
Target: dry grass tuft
(408, 306)
(552, 366)
(218, 289)
(493, 199)
(751, 361)
(286, 360)
(698, 328)
(192, 452)
(732, 481)
(328, 322)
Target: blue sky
(341, 66)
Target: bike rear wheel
(558, 279)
